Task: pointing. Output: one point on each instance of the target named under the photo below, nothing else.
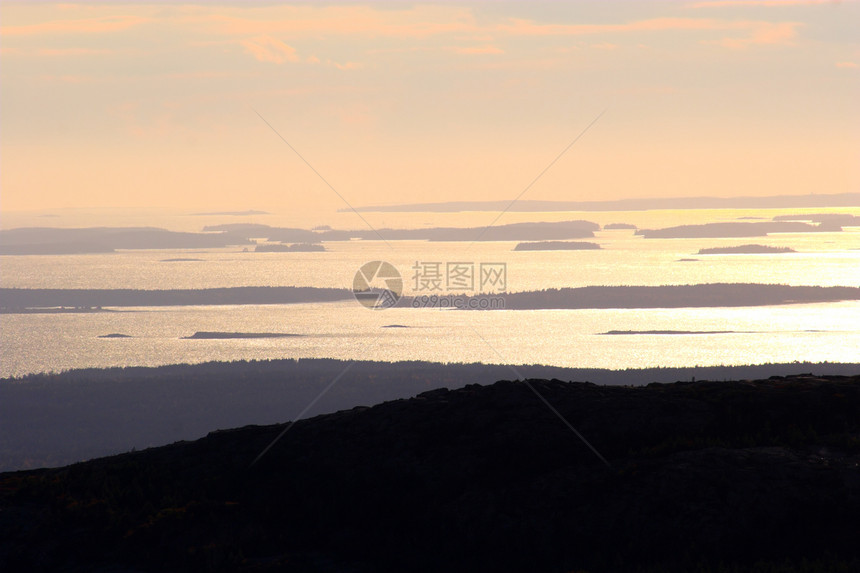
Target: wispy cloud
(767, 3)
(848, 65)
(268, 49)
(764, 33)
(416, 22)
(99, 25)
(754, 32)
(61, 52)
(347, 65)
(477, 50)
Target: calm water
(34, 343)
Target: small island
(612, 226)
(115, 335)
(180, 260)
(295, 248)
(230, 335)
(631, 332)
(557, 246)
(745, 249)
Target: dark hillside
(704, 476)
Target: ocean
(32, 343)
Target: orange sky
(114, 104)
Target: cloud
(268, 49)
(849, 65)
(764, 33)
(768, 3)
(477, 50)
(755, 32)
(415, 22)
(81, 26)
(347, 65)
(60, 52)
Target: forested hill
(704, 476)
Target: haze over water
(346, 330)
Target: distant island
(745, 249)
(115, 335)
(833, 219)
(14, 300)
(228, 335)
(637, 332)
(6, 309)
(61, 241)
(510, 232)
(772, 202)
(57, 248)
(666, 296)
(733, 229)
(180, 260)
(231, 213)
(295, 248)
(614, 226)
(557, 246)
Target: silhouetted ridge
(705, 476)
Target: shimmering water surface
(814, 332)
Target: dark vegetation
(745, 249)
(705, 476)
(666, 296)
(557, 246)
(771, 202)
(57, 419)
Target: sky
(250, 105)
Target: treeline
(57, 419)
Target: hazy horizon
(162, 105)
